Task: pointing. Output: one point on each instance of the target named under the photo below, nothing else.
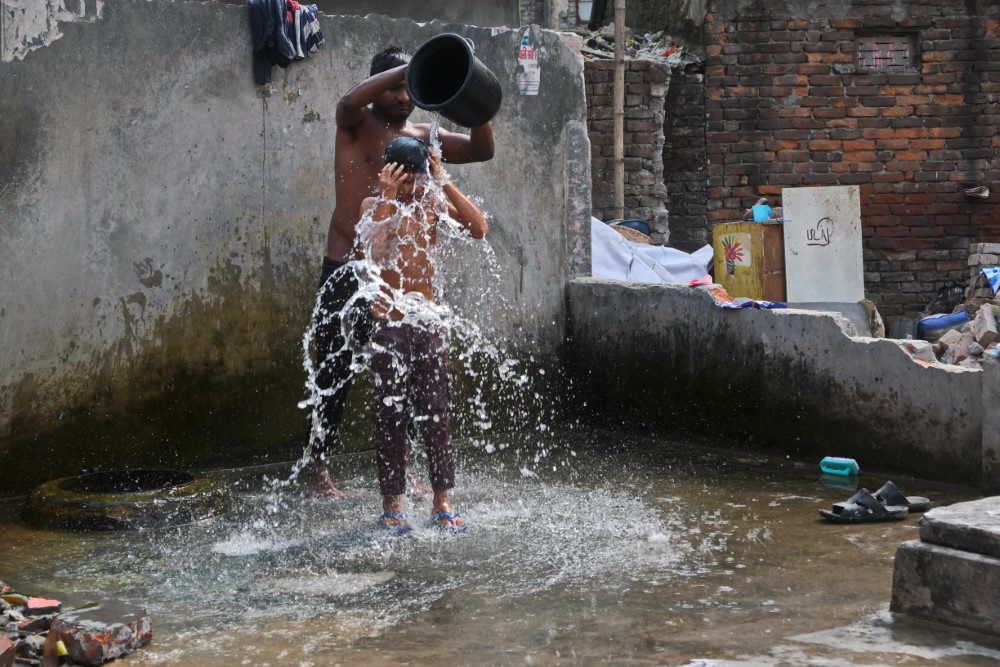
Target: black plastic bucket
(444, 75)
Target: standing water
(640, 551)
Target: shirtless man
(369, 116)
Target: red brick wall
(645, 193)
(786, 105)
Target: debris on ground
(35, 631)
(966, 333)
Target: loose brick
(984, 326)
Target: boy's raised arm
(460, 207)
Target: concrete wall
(664, 357)
(162, 222)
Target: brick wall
(788, 104)
(645, 193)
(684, 158)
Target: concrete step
(947, 585)
(971, 526)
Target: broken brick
(949, 338)
(7, 652)
(35, 624)
(990, 248)
(39, 606)
(961, 349)
(985, 326)
(95, 635)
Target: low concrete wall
(163, 219)
(991, 428)
(663, 356)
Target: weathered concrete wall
(162, 223)
(991, 428)
(663, 357)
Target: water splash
(497, 387)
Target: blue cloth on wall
(271, 45)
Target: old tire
(127, 499)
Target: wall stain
(148, 276)
(216, 383)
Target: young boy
(410, 361)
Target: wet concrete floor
(582, 550)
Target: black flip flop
(863, 507)
(890, 495)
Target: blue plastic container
(835, 465)
(761, 213)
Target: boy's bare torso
(403, 251)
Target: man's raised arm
(351, 106)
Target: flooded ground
(581, 550)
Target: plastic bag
(992, 274)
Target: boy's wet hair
(410, 152)
(389, 57)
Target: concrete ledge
(972, 526)
(947, 585)
(660, 356)
(991, 428)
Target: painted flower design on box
(733, 252)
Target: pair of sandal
(886, 504)
(440, 519)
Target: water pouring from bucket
(445, 76)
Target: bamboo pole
(619, 109)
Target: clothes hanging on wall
(282, 31)
(311, 36)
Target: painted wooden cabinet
(750, 259)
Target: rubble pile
(655, 46)
(971, 336)
(36, 631)
(976, 339)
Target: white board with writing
(823, 256)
